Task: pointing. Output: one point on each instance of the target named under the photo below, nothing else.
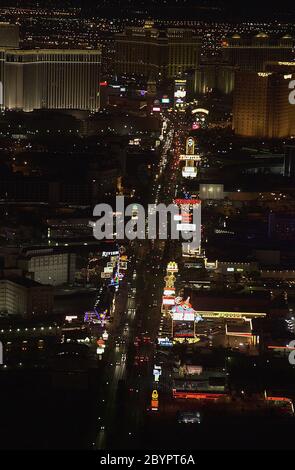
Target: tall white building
(51, 79)
(47, 78)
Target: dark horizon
(216, 10)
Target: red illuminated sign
(198, 396)
(185, 202)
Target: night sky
(214, 9)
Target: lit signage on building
(185, 202)
(200, 110)
(179, 93)
(190, 146)
(169, 280)
(193, 370)
(189, 172)
(172, 267)
(155, 395)
(105, 335)
(155, 400)
(123, 265)
(106, 275)
(199, 396)
(70, 318)
(182, 316)
(109, 253)
(168, 300)
(183, 311)
(165, 342)
(169, 292)
(108, 270)
(195, 158)
(157, 372)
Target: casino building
(47, 78)
(151, 51)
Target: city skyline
(147, 209)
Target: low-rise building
(49, 266)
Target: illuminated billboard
(157, 372)
(195, 158)
(155, 400)
(168, 300)
(184, 329)
(189, 202)
(123, 265)
(172, 267)
(189, 172)
(200, 110)
(179, 93)
(169, 292)
(190, 146)
(70, 318)
(182, 316)
(109, 269)
(165, 342)
(193, 370)
(106, 275)
(169, 280)
(190, 151)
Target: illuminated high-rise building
(52, 79)
(250, 53)
(212, 75)
(241, 53)
(47, 78)
(9, 36)
(157, 52)
(261, 105)
(9, 39)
